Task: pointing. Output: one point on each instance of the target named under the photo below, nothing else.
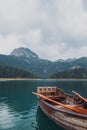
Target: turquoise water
(19, 109)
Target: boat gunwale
(64, 110)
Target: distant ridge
(24, 58)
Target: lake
(19, 109)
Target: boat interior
(59, 95)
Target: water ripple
(6, 118)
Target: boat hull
(65, 118)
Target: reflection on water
(10, 119)
(6, 118)
(19, 108)
(44, 123)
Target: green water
(19, 109)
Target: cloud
(8, 43)
(51, 28)
(17, 14)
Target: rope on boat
(73, 108)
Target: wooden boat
(68, 111)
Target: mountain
(31, 61)
(24, 52)
(67, 60)
(24, 58)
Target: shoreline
(22, 79)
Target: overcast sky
(53, 29)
